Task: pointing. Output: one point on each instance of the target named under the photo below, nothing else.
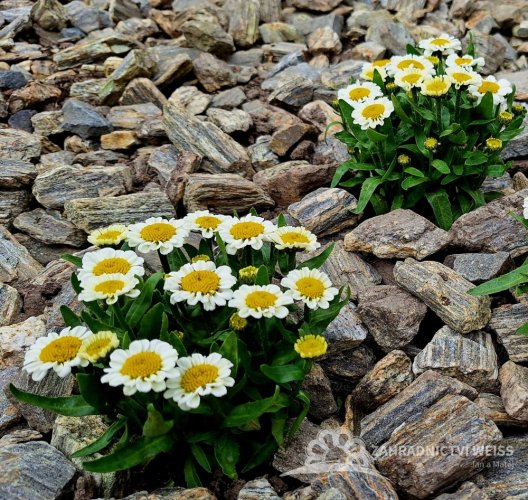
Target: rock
(41, 252)
(230, 122)
(294, 93)
(317, 5)
(505, 321)
(132, 117)
(12, 203)
(371, 51)
(55, 187)
(410, 404)
(479, 267)
(203, 32)
(391, 315)
(454, 421)
(170, 71)
(277, 32)
(491, 49)
(10, 305)
(319, 114)
(47, 123)
(229, 99)
(389, 376)
(22, 120)
(119, 139)
(244, 16)
(470, 358)
(268, 118)
(33, 94)
(194, 101)
(517, 148)
(138, 29)
(514, 390)
(86, 18)
(338, 75)
(287, 136)
(324, 40)
(83, 119)
(270, 11)
(317, 386)
(13, 79)
(212, 73)
(257, 489)
(9, 415)
(346, 331)
(16, 265)
(398, 234)
(215, 192)
(288, 182)
(140, 91)
(16, 339)
(261, 155)
(91, 213)
(392, 35)
(33, 470)
(50, 228)
(19, 145)
(493, 407)
(325, 211)
(220, 152)
(16, 173)
(445, 292)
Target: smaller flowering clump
(109, 261)
(260, 301)
(370, 114)
(431, 143)
(108, 236)
(97, 346)
(157, 233)
(249, 230)
(505, 117)
(311, 346)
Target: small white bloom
(157, 233)
(446, 44)
(198, 376)
(205, 222)
(108, 287)
(110, 235)
(201, 282)
(402, 63)
(465, 61)
(371, 114)
(97, 346)
(311, 286)
(249, 230)
(461, 77)
(110, 261)
(260, 301)
(500, 89)
(367, 71)
(297, 238)
(410, 78)
(57, 351)
(525, 208)
(144, 366)
(359, 92)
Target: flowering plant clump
(205, 360)
(424, 130)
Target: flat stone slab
(16, 173)
(398, 234)
(346, 331)
(505, 321)
(479, 267)
(445, 292)
(19, 145)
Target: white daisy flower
(260, 301)
(157, 233)
(297, 238)
(198, 376)
(410, 78)
(249, 230)
(110, 261)
(370, 114)
(98, 346)
(525, 208)
(110, 235)
(461, 77)
(57, 351)
(466, 61)
(367, 71)
(201, 282)
(359, 92)
(402, 63)
(311, 286)
(435, 86)
(108, 287)
(500, 89)
(205, 222)
(446, 44)
(145, 366)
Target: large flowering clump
(424, 130)
(204, 360)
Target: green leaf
(476, 158)
(229, 350)
(132, 454)
(399, 110)
(441, 166)
(70, 406)
(192, 479)
(367, 190)
(303, 397)
(414, 171)
(317, 261)
(102, 441)
(376, 136)
(200, 457)
(504, 282)
(227, 454)
(486, 107)
(496, 170)
(152, 322)
(281, 221)
(441, 205)
(91, 389)
(263, 453)
(523, 330)
(470, 49)
(175, 341)
(262, 276)
(70, 318)
(410, 182)
(142, 303)
(283, 374)
(155, 424)
(77, 261)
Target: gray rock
(445, 292)
(231, 121)
(339, 75)
(519, 79)
(261, 155)
(9, 415)
(493, 407)
(132, 117)
(505, 321)
(83, 119)
(10, 304)
(258, 489)
(212, 73)
(517, 148)
(19, 145)
(87, 18)
(470, 358)
(13, 79)
(270, 10)
(398, 234)
(294, 93)
(11, 204)
(317, 5)
(410, 404)
(330, 150)
(391, 315)
(17, 338)
(491, 49)
(22, 120)
(16, 173)
(389, 376)
(392, 35)
(480, 267)
(317, 386)
(194, 101)
(452, 421)
(514, 390)
(244, 17)
(346, 331)
(229, 99)
(33, 470)
(324, 40)
(279, 32)
(141, 91)
(205, 33)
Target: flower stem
(120, 318)
(439, 113)
(164, 263)
(457, 105)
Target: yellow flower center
(461, 77)
(381, 63)
(237, 323)
(248, 273)
(207, 222)
(142, 365)
(61, 350)
(110, 235)
(311, 288)
(358, 93)
(462, 61)
(373, 111)
(109, 287)
(311, 346)
(430, 143)
(292, 237)
(492, 87)
(410, 63)
(246, 230)
(260, 298)
(114, 265)
(493, 143)
(158, 232)
(198, 376)
(413, 78)
(200, 258)
(437, 86)
(440, 42)
(200, 281)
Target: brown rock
(140, 91)
(10, 304)
(317, 386)
(212, 73)
(12, 203)
(34, 93)
(244, 16)
(324, 40)
(119, 139)
(320, 114)
(514, 390)
(17, 339)
(346, 331)
(317, 5)
(493, 407)
(287, 136)
(505, 321)
(16, 174)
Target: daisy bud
(494, 144)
